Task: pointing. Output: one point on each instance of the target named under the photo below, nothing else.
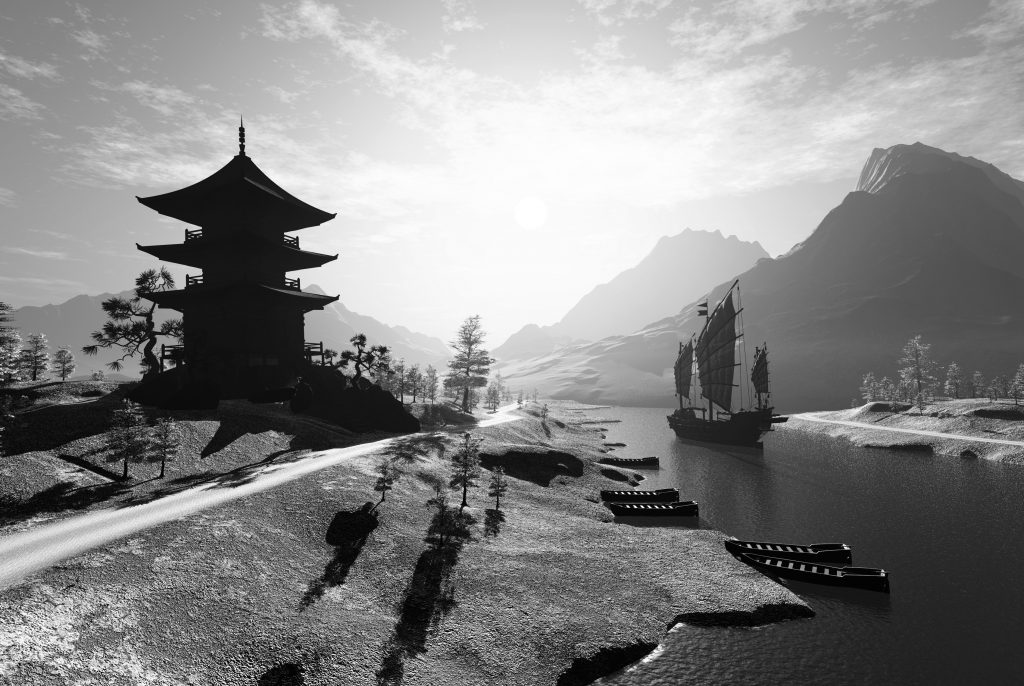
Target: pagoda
(242, 315)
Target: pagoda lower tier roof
(244, 291)
(204, 252)
(237, 192)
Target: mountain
(678, 269)
(930, 243)
(336, 324)
(71, 322)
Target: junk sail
(716, 355)
(684, 369)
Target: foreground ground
(964, 427)
(296, 585)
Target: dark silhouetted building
(243, 315)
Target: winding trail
(812, 417)
(29, 551)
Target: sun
(531, 213)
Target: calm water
(950, 532)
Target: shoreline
(965, 428)
(552, 591)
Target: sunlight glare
(531, 213)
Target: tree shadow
(347, 532)
(226, 434)
(410, 449)
(286, 674)
(57, 498)
(493, 519)
(430, 595)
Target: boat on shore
(686, 508)
(664, 495)
(639, 462)
(715, 356)
(816, 552)
(868, 578)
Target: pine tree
(415, 378)
(166, 441)
(954, 380)
(10, 357)
(388, 475)
(374, 360)
(869, 387)
(472, 363)
(401, 380)
(430, 384)
(35, 357)
(128, 439)
(497, 486)
(978, 384)
(63, 362)
(1017, 387)
(493, 397)
(466, 466)
(917, 370)
(130, 325)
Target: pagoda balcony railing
(312, 350)
(293, 284)
(193, 234)
(193, 280)
(291, 241)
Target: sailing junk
(715, 354)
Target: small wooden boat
(640, 462)
(686, 508)
(867, 578)
(816, 552)
(662, 495)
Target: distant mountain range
(678, 269)
(71, 322)
(929, 243)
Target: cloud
(167, 100)
(459, 15)
(287, 97)
(16, 105)
(7, 197)
(41, 254)
(611, 12)
(25, 69)
(94, 43)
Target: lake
(950, 531)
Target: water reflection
(948, 530)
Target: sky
(494, 157)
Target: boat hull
(743, 428)
(688, 508)
(866, 578)
(662, 495)
(636, 462)
(830, 553)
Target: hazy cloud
(41, 254)
(94, 43)
(25, 69)
(16, 105)
(460, 15)
(7, 197)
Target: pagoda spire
(241, 137)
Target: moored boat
(868, 578)
(686, 508)
(816, 552)
(664, 495)
(640, 462)
(715, 353)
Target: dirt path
(813, 417)
(24, 553)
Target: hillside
(679, 269)
(929, 245)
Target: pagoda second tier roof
(238, 192)
(203, 252)
(247, 291)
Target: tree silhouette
(130, 324)
(388, 476)
(471, 364)
(63, 363)
(128, 439)
(35, 357)
(374, 360)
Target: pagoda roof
(200, 253)
(177, 299)
(237, 191)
